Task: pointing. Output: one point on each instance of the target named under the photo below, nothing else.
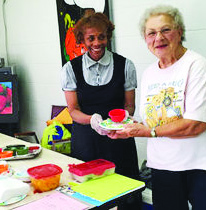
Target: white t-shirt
(166, 95)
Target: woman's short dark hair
(96, 20)
(163, 10)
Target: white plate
(22, 175)
(108, 124)
(13, 200)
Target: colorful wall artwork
(69, 12)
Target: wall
(3, 51)
(33, 47)
(32, 37)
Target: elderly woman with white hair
(173, 112)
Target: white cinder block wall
(30, 38)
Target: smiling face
(162, 38)
(95, 41)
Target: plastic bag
(56, 131)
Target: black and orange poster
(69, 12)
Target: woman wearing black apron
(94, 84)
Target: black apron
(86, 143)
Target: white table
(51, 157)
(45, 157)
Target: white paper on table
(55, 201)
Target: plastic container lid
(33, 148)
(96, 167)
(44, 171)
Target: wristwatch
(153, 132)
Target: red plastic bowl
(45, 177)
(117, 115)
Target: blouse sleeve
(130, 76)
(68, 79)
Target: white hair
(165, 10)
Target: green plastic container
(22, 150)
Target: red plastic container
(45, 177)
(117, 115)
(91, 169)
(3, 166)
(6, 154)
(32, 148)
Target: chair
(56, 110)
(29, 136)
(61, 114)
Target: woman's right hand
(94, 121)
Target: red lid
(96, 167)
(44, 171)
(34, 147)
